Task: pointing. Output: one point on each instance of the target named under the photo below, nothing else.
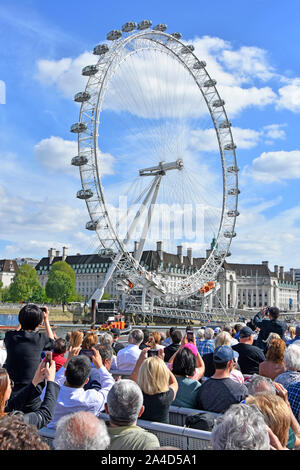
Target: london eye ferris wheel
(153, 127)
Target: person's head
(90, 340)
(76, 338)
(81, 431)
(209, 333)
(257, 384)
(30, 317)
(242, 427)
(292, 357)
(275, 352)
(176, 336)
(106, 353)
(246, 335)
(276, 413)
(78, 371)
(292, 331)
(17, 435)
(124, 403)
(273, 313)
(5, 390)
(136, 337)
(106, 339)
(223, 357)
(162, 336)
(200, 334)
(184, 363)
(153, 376)
(146, 334)
(223, 338)
(238, 327)
(157, 337)
(116, 333)
(270, 338)
(217, 330)
(228, 328)
(60, 346)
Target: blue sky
(251, 48)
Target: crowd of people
(247, 374)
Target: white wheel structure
(119, 59)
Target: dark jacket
(267, 327)
(44, 414)
(170, 350)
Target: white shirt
(127, 357)
(71, 400)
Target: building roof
(8, 266)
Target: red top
(59, 360)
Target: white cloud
(56, 153)
(290, 96)
(65, 73)
(275, 131)
(153, 85)
(277, 166)
(278, 235)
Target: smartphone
(190, 336)
(87, 352)
(152, 352)
(48, 357)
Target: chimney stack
(265, 263)
(51, 254)
(276, 270)
(292, 273)
(180, 253)
(281, 270)
(159, 250)
(64, 253)
(189, 253)
(57, 253)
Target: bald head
(81, 431)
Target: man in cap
(219, 392)
(116, 345)
(250, 356)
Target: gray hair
(81, 431)
(106, 339)
(124, 402)
(257, 384)
(242, 427)
(209, 333)
(136, 337)
(292, 357)
(200, 334)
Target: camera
(152, 352)
(48, 357)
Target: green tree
(63, 267)
(39, 295)
(105, 296)
(25, 283)
(60, 287)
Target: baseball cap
(115, 331)
(224, 354)
(192, 348)
(245, 332)
(217, 329)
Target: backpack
(202, 421)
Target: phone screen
(152, 352)
(190, 335)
